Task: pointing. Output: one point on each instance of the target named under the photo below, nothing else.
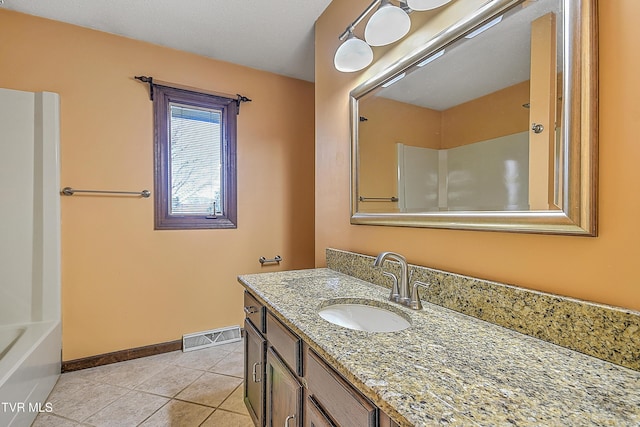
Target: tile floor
(196, 388)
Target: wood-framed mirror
(490, 125)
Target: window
(195, 160)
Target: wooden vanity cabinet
(278, 363)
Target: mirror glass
(486, 127)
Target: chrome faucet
(401, 285)
(401, 291)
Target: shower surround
(30, 330)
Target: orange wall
(415, 126)
(491, 116)
(602, 269)
(125, 285)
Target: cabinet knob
(290, 417)
(251, 309)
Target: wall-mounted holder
(275, 260)
(537, 128)
(378, 199)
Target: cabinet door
(284, 394)
(315, 416)
(254, 372)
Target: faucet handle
(415, 298)
(395, 290)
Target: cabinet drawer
(338, 398)
(286, 343)
(255, 312)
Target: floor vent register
(199, 340)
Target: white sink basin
(363, 317)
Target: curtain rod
(144, 79)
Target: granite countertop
(449, 368)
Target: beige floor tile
(165, 358)
(210, 389)
(232, 364)
(227, 419)
(128, 374)
(50, 420)
(90, 374)
(79, 399)
(103, 395)
(201, 359)
(69, 383)
(170, 381)
(130, 410)
(235, 402)
(178, 414)
(237, 347)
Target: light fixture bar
(394, 80)
(484, 28)
(363, 15)
(431, 58)
(388, 24)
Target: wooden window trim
(164, 96)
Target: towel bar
(68, 191)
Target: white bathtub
(29, 368)
(30, 329)
(8, 336)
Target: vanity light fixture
(426, 4)
(484, 28)
(388, 24)
(353, 55)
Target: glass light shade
(353, 55)
(426, 4)
(388, 24)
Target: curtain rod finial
(145, 79)
(239, 100)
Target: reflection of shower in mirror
(490, 175)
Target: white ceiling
(270, 35)
(471, 68)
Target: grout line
(230, 394)
(195, 403)
(104, 407)
(206, 419)
(228, 397)
(223, 410)
(154, 412)
(53, 414)
(186, 387)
